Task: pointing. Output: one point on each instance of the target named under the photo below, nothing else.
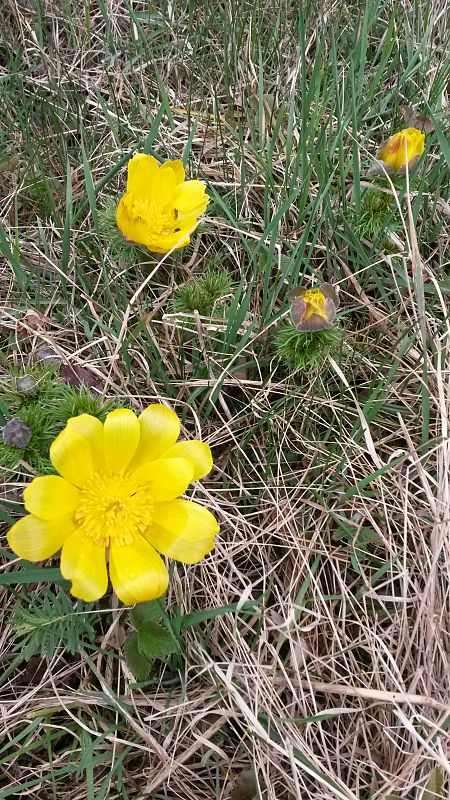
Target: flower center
(155, 216)
(315, 302)
(114, 508)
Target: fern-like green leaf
(49, 623)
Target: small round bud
(17, 433)
(26, 384)
(47, 356)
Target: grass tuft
(207, 293)
(307, 351)
(377, 216)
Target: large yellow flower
(401, 149)
(160, 207)
(116, 498)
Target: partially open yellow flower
(401, 149)
(116, 498)
(314, 309)
(160, 208)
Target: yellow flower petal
(51, 497)
(180, 238)
(167, 478)
(84, 563)
(177, 168)
(191, 199)
(163, 188)
(160, 428)
(402, 148)
(71, 456)
(130, 224)
(121, 434)
(138, 228)
(137, 572)
(92, 429)
(36, 539)
(182, 530)
(142, 172)
(163, 246)
(197, 453)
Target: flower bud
(26, 384)
(399, 153)
(17, 433)
(314, 309)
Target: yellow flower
(116, 499)
(401, 149)
(314, 309)
(160, 207)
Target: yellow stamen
(154, 215)
(315, 303)
(113, 507)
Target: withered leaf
(416, 120)
(245, 786)
(80, 376)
